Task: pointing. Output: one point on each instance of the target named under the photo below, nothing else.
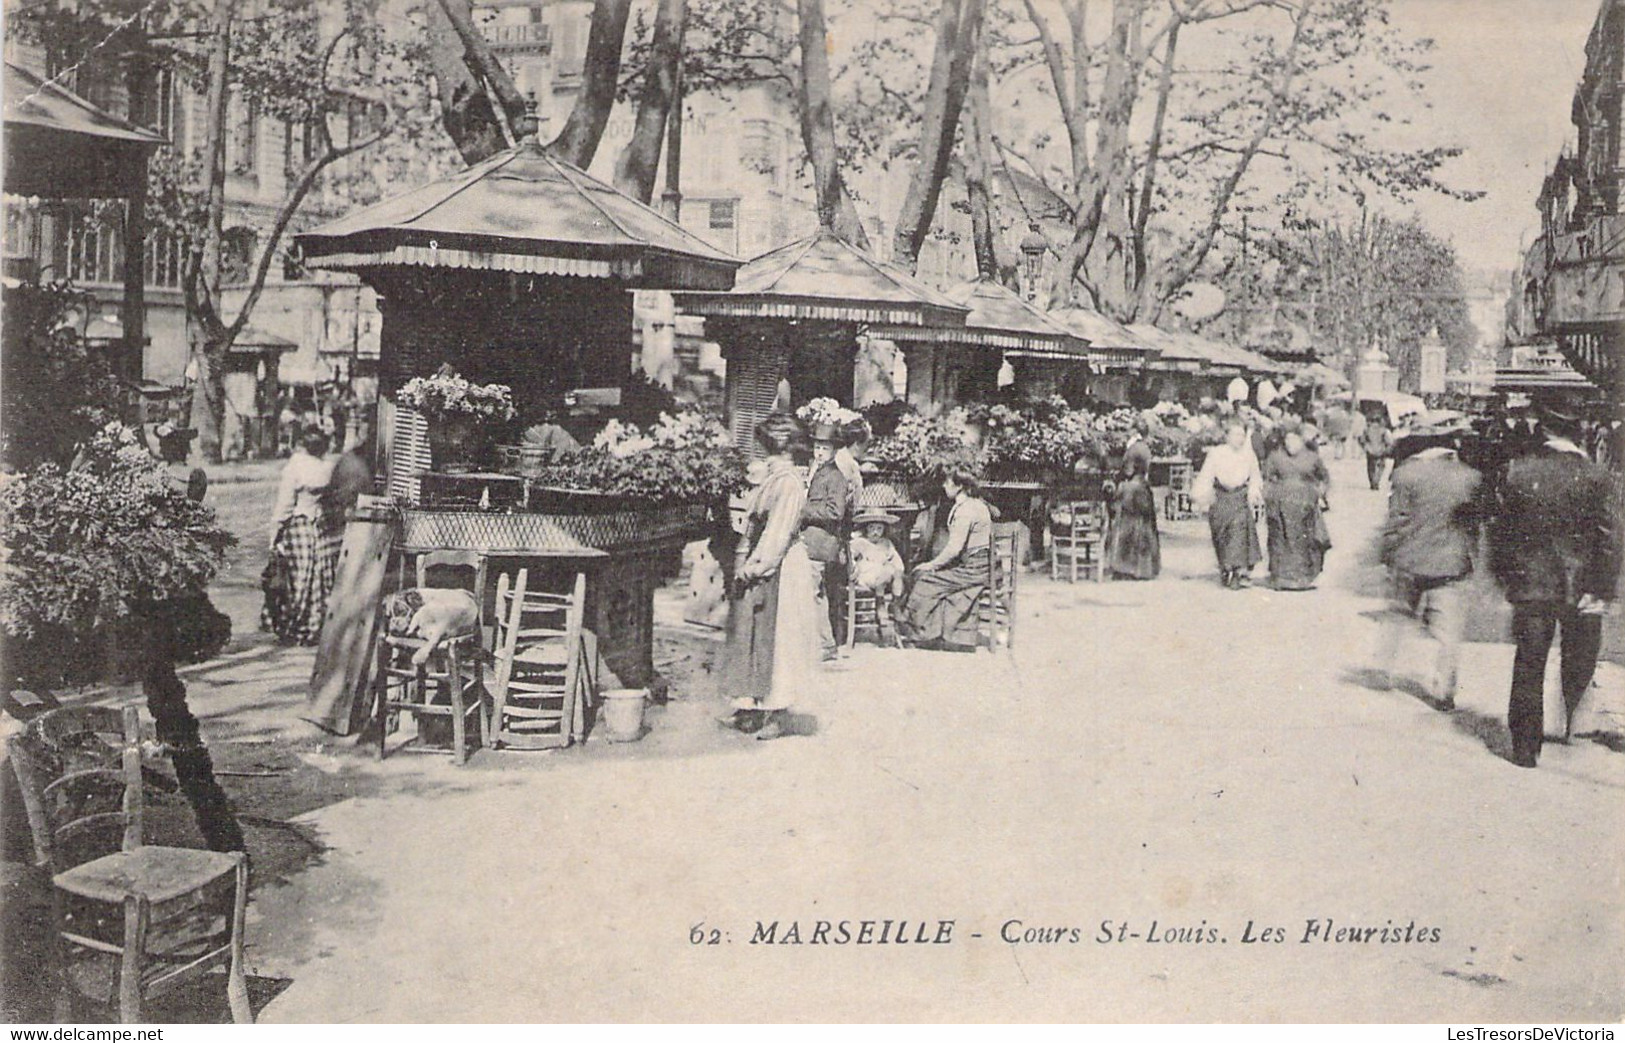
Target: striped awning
(1000, 319)
(825, 278)
(522, 211)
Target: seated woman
(940, 612)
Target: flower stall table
(1025, 502)
(618, 550)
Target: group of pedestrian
(803, 532)
(1290, 486)
(1553, 540)
(314, 496)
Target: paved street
(1167, 751)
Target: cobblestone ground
(1166, 751)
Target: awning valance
(528, 212)
(825, 278)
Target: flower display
(921, 449)
(447, 393)
(1034, 440)
(685, 458)
(826, 411)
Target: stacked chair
(1078, 540)
(546, 665)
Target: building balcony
(524, 38)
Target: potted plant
(459, 413)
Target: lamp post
(1033, 248)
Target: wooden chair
(454, 669)
(1078, 540)
(997, 605)
(148, 917)
(867, 611)
(478, 566)
(1177, 504)
(546, 665)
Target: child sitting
(876, 565)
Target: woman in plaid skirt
(305, 542)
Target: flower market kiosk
(796, 314)
(505, 295)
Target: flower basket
(458, 414)
(456, 443)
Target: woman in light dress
(1228, 487)
(772, 644)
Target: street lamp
(1033, 248)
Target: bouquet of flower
(825, 411)
(446, 393)
(685, 458)
(922, 449)
(1034, 440)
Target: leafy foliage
(687, 458)
(91, 548)
(1374, 282)
(1269, 109)
(54, 390)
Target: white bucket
(623, 713)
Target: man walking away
(1377, 442)
(1554, 548)
(1427, 544)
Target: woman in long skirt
(305, 543)
(1227, 487)
(941, 610)
(1133, 548)
(772, 644)
(1295, 484)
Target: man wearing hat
(1427, 544)
(826, 520)
(1554, 546)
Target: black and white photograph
(775, 512)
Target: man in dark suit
(1427, 544)
(1555, 549)
(826, 527)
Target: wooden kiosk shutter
(753, 386)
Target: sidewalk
(1160, 749)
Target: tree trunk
(178, 730)
(836, 211)
(978, 152)
(639, 161)
(600, 77)
(203, 294)
(959, 25)
(468, 79)
(1101, 191)
(1143, 285)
